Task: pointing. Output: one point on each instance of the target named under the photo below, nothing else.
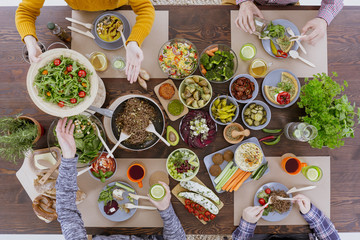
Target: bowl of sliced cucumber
(182, 164)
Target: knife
(87, 33)
(294, 189)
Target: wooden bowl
(231, 141)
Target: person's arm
(244, 231)
(241, 1)
(173, 229)
(69, 217)
(329, 9)
(322, 226)
(26, 15)
(144, 20)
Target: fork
(295, 38)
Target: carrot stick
(232, 178)
(235, 182)
(210, 53)
(247, 175)
(203, 70)
(213, 49)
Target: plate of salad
(88, 144)
(182, 164)
(63, 83)
(276, 40)
(218, 63)
(278, 209)
(112, 200)
(178, 58)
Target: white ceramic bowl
(268, 115)
(189, 177)
(252, 79)
(229, 100)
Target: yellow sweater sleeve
(144, 20)
(26, 15)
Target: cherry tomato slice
(57, 62)
(283, 98)
(196, 213)
(193, 205)
(212, 216)
(61, 104)
(206, 219)
(191, 210)
(69, 68)
(201, 216)
(197, 206)
(82, 94)
(268, 191)
(202, 209)
(73, 100)
(82, 73)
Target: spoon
(120, 29)
(130, 206)
(123, 137)
(294, 54)
(236, 133)
(296, 38)
(49, 172)
(151, 128)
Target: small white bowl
(268, 115)
(182, 89)
(252, 79)
(187, 178)
(229, 100)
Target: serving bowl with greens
(182, 164)
(218, 63)
(88, 145)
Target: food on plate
(172, 136)
(106, 195)
(198, 129)
(200, 189)
(111, 207)
(166, 91)
(217, 65)
(87, 141)
(199, 199)
(157, 192)
(248, 156)
(273, 31)
(199, 211)
(118, 194)
(196, 91)
(285, 91)
(223, 110)
(236, 180)
(215, 170)
(182, 164)
(45, 208)
(175, 107)
(107, 28)
(218, 158)
(103, 167)
(134, 120)
(178, 59)
(280, 206)
(255, 115)
(242, 88)
(277, 33)
(228, 155)
(63, 81)
(256, 175)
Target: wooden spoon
(236, 133)
(48, 174)
(47, 164)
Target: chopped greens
(274, 31)
(219, 67)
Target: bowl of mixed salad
(178, 58)
(63, 83)
(218, 63)
(182, 164)
(88, 145)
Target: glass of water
(299, 131)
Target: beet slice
(111, 204)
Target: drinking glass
(312, 173)
(299, 131)
(25, 53)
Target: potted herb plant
(329, 110)
(18, 135)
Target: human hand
(66, 138)
(165, 202)
(134, 57)
(318, 27)
(245, 19)
(33, 49)
(252, 214)
(303, 202)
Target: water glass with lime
(247, 52)
(312, 173)
(300, 131)
(119, 63)
(157, 192)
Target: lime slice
(257, 64)
(119, 64)
(247, 51)
(312, 174)
(301, 126)
(297, 134)
(157, 192)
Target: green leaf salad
(63, 81)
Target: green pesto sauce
(175, 107)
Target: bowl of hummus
(248, 157)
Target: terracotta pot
(39, 127)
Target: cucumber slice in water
(157, 192)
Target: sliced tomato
(201, 216)
(61, 104)
(196, 213)
(82, 94)
(192, 204)
(268, 191)
(212, 216)
(207, 214)
(202, 209)
(283, 98)
(197, 206)
(82, 73)
(73, 100)
(69, 68)
(206, 219)
(57, 62)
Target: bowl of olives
(256, 115)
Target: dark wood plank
(202, 25)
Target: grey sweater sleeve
(69, 216)
(173, 229)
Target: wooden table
(203, 26)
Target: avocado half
(172, 136)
